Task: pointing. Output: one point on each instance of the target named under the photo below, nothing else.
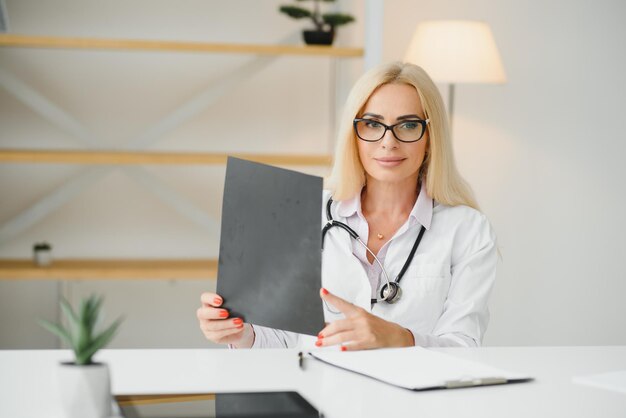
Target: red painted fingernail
(217, 301)
(320, 336)
(237, 321)
(318, 343)
(239, 326)
(344, 348)
(324, 291)
(223, 314)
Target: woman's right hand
(218, 327)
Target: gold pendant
(380, 236)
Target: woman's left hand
(360, 329)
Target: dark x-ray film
(269, 270)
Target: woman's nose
(389, 140)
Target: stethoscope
(391, 291)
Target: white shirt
(421, 214)
(445, 290)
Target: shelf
(109, 269)
(128, 158)
(126, 400)
(55, 42)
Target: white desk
(28, 387)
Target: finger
(339, 338)
(211, 313)
(211, 299)
(344, 306)
(217, 325)
(224, 336)
(356, 346)
(226, 333)
(335, 327)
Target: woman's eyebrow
(408, 117)
(374, 115)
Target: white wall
(284, 108)
(542, 152)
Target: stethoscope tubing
(332, 223)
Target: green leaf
(82, 344)
(83, 309)
(101, 340)
(82, 359)
(94, 311)
(69, 312)
(82, 324)
(84, 336)
(337, 19)
(57, 330)
(85, 330)
(71, 316)
(295, 12)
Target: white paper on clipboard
(417, 368)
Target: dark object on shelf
(318, 37)
(42, 254)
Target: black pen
(301, 360)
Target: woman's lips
(389, 161)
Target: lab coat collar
(422, 211)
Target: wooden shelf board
(56, 42)
(149, 158)
(125, 400)
(109, 269)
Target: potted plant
(85, 385)
(42, 254)
(325, 24)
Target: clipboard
(417, 368)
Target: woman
(395, 185)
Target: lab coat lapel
(342, 273)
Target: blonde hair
(443, 181)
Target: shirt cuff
(254, 338)
(449, 340)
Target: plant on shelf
(42, 254)
(325, 23)
(84, 384)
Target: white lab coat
(444, 291)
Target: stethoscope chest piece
(391, 292)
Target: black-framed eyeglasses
(410, 130)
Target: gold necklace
(380, 236)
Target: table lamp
(456, 51)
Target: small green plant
(80, 334)
(322, 22)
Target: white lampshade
(456, 51)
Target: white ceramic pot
(42, 258)
(85, 390)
